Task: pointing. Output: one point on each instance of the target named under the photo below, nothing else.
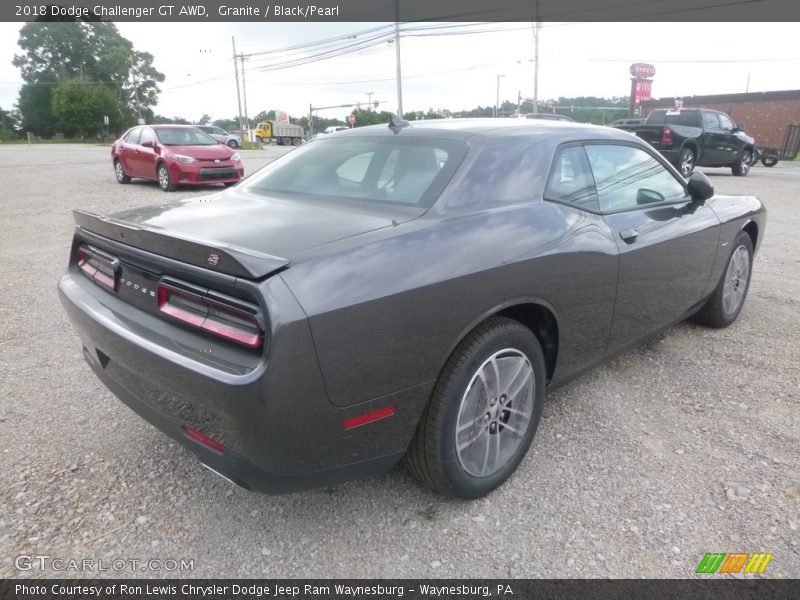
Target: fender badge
(213, 259)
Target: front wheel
(725, 304)
(686, 162)
(483, 413)
(742, 168)
(769, 161)
(164, 178)
(233, 144)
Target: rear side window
(571, 180)
(710, 120)
(627, 177)
(133, 136)
(506, 170)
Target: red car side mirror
(147, 143)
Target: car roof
(464, 129)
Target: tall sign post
(641, 86)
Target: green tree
(54, 53)
(9, 124)
(79, 107)
(162, 120)
(204, 120)
(370, 117)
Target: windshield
(183, 136)
(395, 170)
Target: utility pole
(536, 60)
(397, 57)
(369, 96)
(497, 103)
(238, 96)
(244, 95)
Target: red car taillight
(98, 266)
(216, 315)
(666, 136)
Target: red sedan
(174, 155)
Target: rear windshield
(683, 117)
(393, 170)
(183, 136)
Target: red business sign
(642, 91)
(352, 119)
(642, 70)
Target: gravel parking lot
(689, 444)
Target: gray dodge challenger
(403, 292)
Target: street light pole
(397, 57)
(536, 61)
(497, 103)
(238, 95)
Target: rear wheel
(164, 178)
(483, 413)
(233, 144)
(119, 171)
(725, 304)
(742, 167)
(686, 162)
(296, 141)
(287, 141)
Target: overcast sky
(452, 71)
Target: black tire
(715, 312)
(164, 178)
(119, 172)
(433, 457)
(259, 139)
(742, 167)
(686, 162)
(230, 183)
(769, 161)
(296, 141)
(233, 144)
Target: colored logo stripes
(720, 562)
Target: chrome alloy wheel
(746, 161)
(687, 162)
(163, 177)
(119, 171)
(495, 412)
(736, 280)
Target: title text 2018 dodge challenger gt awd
(409, 291)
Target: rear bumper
(279, 430)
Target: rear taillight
(228, 318)
(98, 266)
(666, 136)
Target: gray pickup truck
(702, 137)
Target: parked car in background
(404, 291)
(228, 138)
(174, 155)
(626, 124)
(548, 117)
(690, 137)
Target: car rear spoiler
(230, 260)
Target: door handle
(629, 235)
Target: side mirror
(739, 127)
(700, 188)
(147, 143)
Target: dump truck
(284, 134)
